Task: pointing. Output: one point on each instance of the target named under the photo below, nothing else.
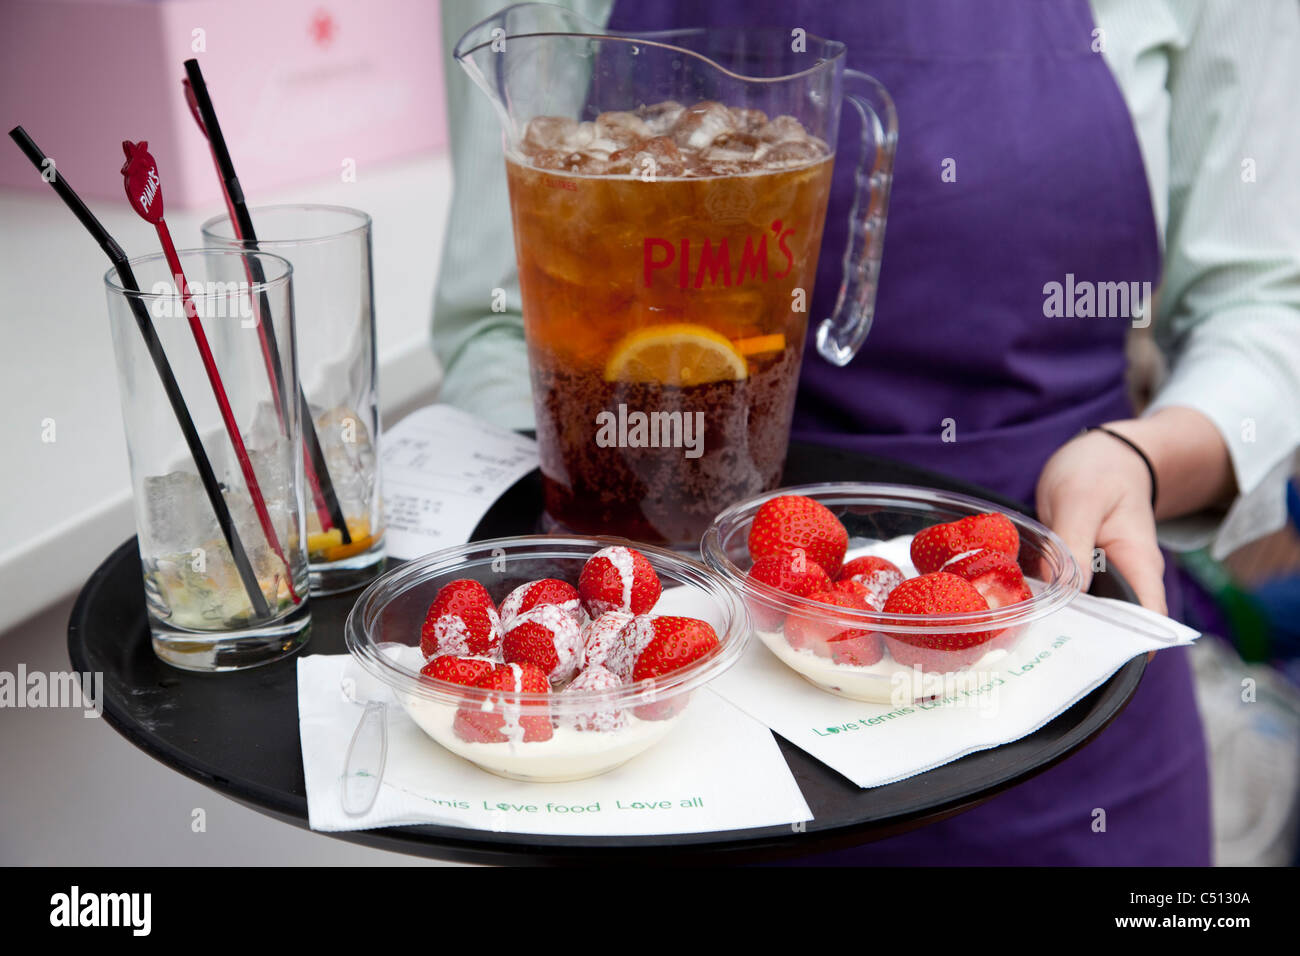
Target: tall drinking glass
(329, 247)
(225, 585)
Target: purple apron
(1008, 99)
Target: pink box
(301, 87)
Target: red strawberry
(788, 571)
(626, 646)
(677, 641)
(662, 709)
(937, 545)
(827, 634)
(618, 579)
(506, 719)
(876, 575)
(857, 648)
(793, 522)
(602, 716)
(938, 593)
(462, 621)
(599, 634)
(868, 598)
(945, 661)
(994, 575)
(535, 593)
(459, 670)
(547, 637)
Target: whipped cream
(570, 754)
(883, 682)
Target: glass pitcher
(668, 192)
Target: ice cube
(622, 128)
(732, 148)
(661, 116)
(748, 120)
(178, 514)
(349, 456)
(782, 128)
(657, 158)
(701, 124)
(548, 132)
(793, 152)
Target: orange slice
(329, 546)
(678, 354)
(758, 344)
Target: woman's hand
(1095, 492)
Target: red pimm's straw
(144, 191)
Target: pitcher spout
(546, 31)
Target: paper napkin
(717, 770)
(1060, 659)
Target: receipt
(442, 469)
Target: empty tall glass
(329, 247)
(223, 556)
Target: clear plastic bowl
(882, 519)
(391, 611)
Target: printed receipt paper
(442, 470)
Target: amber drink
(666, 262)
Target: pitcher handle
(840, 336)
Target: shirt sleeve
(1228, 310)
(478, 329)
(478, 326)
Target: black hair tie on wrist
(1140, 453)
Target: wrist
(1189, 456)
(1135, 453)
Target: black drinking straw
(163, 367)
(242, 223)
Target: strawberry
(857, 648)
(662, 709)
(793, 522)
(626, 646)
(859, 592)
(938, 593)
(788, 571)
(935, 546)
(599, 635)
(458, 670)
(677, 642)
(462, 621)
(505, 720)
(791, 572)
(601, 717)
(535, 593)
(618, 579)
(876, 575)
(829, 635)
(546, 637)
(994, 575)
